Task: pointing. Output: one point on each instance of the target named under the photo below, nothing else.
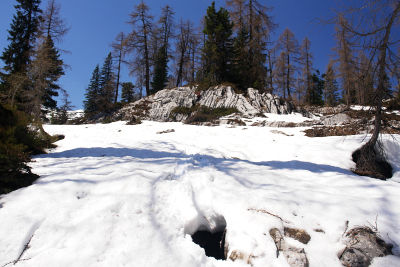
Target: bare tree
(374, 23)
(119, 49)
(182, 48)
(289, 46)
(138, 40)
(52, 24)
(305, 60)
(345, 59)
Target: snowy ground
(119, 195)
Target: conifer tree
(346, 61)
(106, 86)
(18, 54)
(119, 47)
(217, 51)
(288, 45)
(44, 72)
(52, 24)
(314, 94)
(128, 93)
(306, 71)
(22, 35)
(160, 77)
(92, 94)
(330, 85)
(138, 41)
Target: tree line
(233, 44)
(29, 84)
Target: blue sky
(94, 25)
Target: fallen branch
(269, 213)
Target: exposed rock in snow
(362, 246)
(296, 257)
(159, 107)
(337, 119)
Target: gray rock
(159, 107)
(362, 246)
(337, 119)
(296, 257)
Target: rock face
(362, 245)
(159, 107)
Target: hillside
(132, 195)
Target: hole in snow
(208, 231)
(212, 243)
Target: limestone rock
(159, 107)
(362, 246)
(296, 257)
(337, 119)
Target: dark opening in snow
(213, 243)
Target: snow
(120, 195)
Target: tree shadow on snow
(198, 160)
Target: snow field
(119, 195)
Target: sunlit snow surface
(119, 195)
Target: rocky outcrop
(160, 106)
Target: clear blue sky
(94, 25)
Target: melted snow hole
(208, 231)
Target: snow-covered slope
(119, 195)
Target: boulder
(296, 257)
(362, 245)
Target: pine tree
(106, 86)
(330, 86)
(160, 77)
(22, 35)
(314, 95)
(128, 94)
(92, 94)
(44, 72)
(217, 51)
(253, 26)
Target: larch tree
(305, 61)
(119, 51)
(138, 42)
(345, 59)
(289, 46)
(182, 48)
(375, 24)
(52, 27)
(280, 73)
(161, 57)
(52, 24)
